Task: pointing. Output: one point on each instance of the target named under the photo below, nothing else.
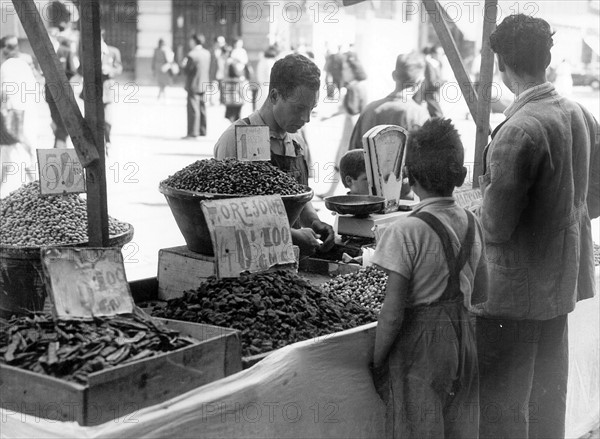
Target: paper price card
(248, 234)
(468, 198)
(86, 282)
(253, 142)
(60, 171)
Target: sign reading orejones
(249, 234)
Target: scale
(360, 219)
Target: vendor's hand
(326, 234)
(307, 240)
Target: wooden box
(123, 390)
(180, 269)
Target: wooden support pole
(91, 61)
(437, 17)
(57, 81)
(486, 77)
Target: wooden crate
(123, 390)
(180, 269)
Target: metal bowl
(357, 205)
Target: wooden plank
(180, 269)
(59, 86)
(126, 389)
(91, 60)
(40, 396)
(436, 15)
(485, 88)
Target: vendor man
(293, 93)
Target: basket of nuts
(218, 179)
(29, 222)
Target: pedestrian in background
(19, 117)
(111, 68)
(540, 187)
(234, 88)
(399, 107)
(196, 67)
(355, 99)
(263, 73)
(430, 90)
(163, 67)
(218, 65)
(69, 64)
(333, 72)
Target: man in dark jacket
(541, 186)
(196, 67)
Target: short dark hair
(410, 67)
(352, 164)
(198, 39)
(293, 71)
(524, 43)
(435, 157)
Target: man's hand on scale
(326, 234)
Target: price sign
(468, 198)
(83, 283)
(60, 171)
(249, 234)
(253, 142)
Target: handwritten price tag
(83, 283)
(249, 234)
(253, 142)
(60, 171)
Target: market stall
(318, 388)
(236, 290)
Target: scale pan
(358, 205)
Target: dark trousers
(523, 369)
(196, 114)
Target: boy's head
(353, 172)
(523, 42)
(435, 157)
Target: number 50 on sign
(60, 172)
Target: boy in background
(425, 359)
(354, 173)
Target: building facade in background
(377, 30)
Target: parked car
(586, 78)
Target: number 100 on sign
(60, 172)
